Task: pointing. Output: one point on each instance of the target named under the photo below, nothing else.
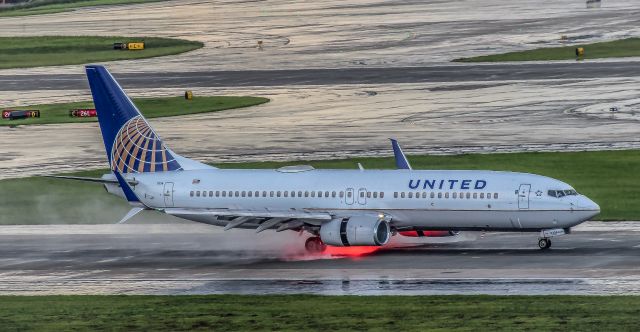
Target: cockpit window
(562, 193)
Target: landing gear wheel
(314, 245)
(544, 243)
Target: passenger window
(271, 193)
(237, 194)
(250, 193)
(217, 193)
(306, 194)
(278, 193)
(488, 195)
(348, 194)
(395, 194)
(224, 194)
(368, 194)
(402, 194)
(192, 193)
(286, 194)
(341, 194)
(326, 194)
(382, 194)
(446, 195)
(495, 196)
(257, 194)
(264, 194)
(293, 193)
(299, 193)
(439, 195)
(244, 194)
(424, 194)
(433, 195)
(313, 194)
(375, 194)
(333, 194)
(481, 195)
(461, 195)
(319, 193)
(198, 193)
(454, 195)
(210, 193)
(468, 195)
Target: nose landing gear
(314, 245)
(544, 243)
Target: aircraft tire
(314, 245)
(544, 243)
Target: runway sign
(20, 114)
(83, 113)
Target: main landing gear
(314, 245)
(544, 243)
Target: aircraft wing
(258, 219)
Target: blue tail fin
(132, 145)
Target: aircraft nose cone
(587, 204)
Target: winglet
(401, 160)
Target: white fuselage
(414, 199)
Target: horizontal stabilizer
(88, 179)
(132, 213)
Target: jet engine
(356, 231)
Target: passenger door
(168, 194)
(523, 196)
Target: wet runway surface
(488, 74)
(342, 78)
(189, 258)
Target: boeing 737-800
(358, 207)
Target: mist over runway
(187, 258)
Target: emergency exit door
(523, 196)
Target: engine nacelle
(429, 233)
(356, 231)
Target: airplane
(338, 207)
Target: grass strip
(37, 7)
(608, 177)
(26, 52)
(150, 107)
(320, 313)
(628, 47)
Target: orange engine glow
(356, 251)
(425, 233)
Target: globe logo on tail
(137, 149)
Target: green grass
(608, 177)
(38, 7)
(150, 107)
(320, 313)
(614, 49)
(25, 52)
